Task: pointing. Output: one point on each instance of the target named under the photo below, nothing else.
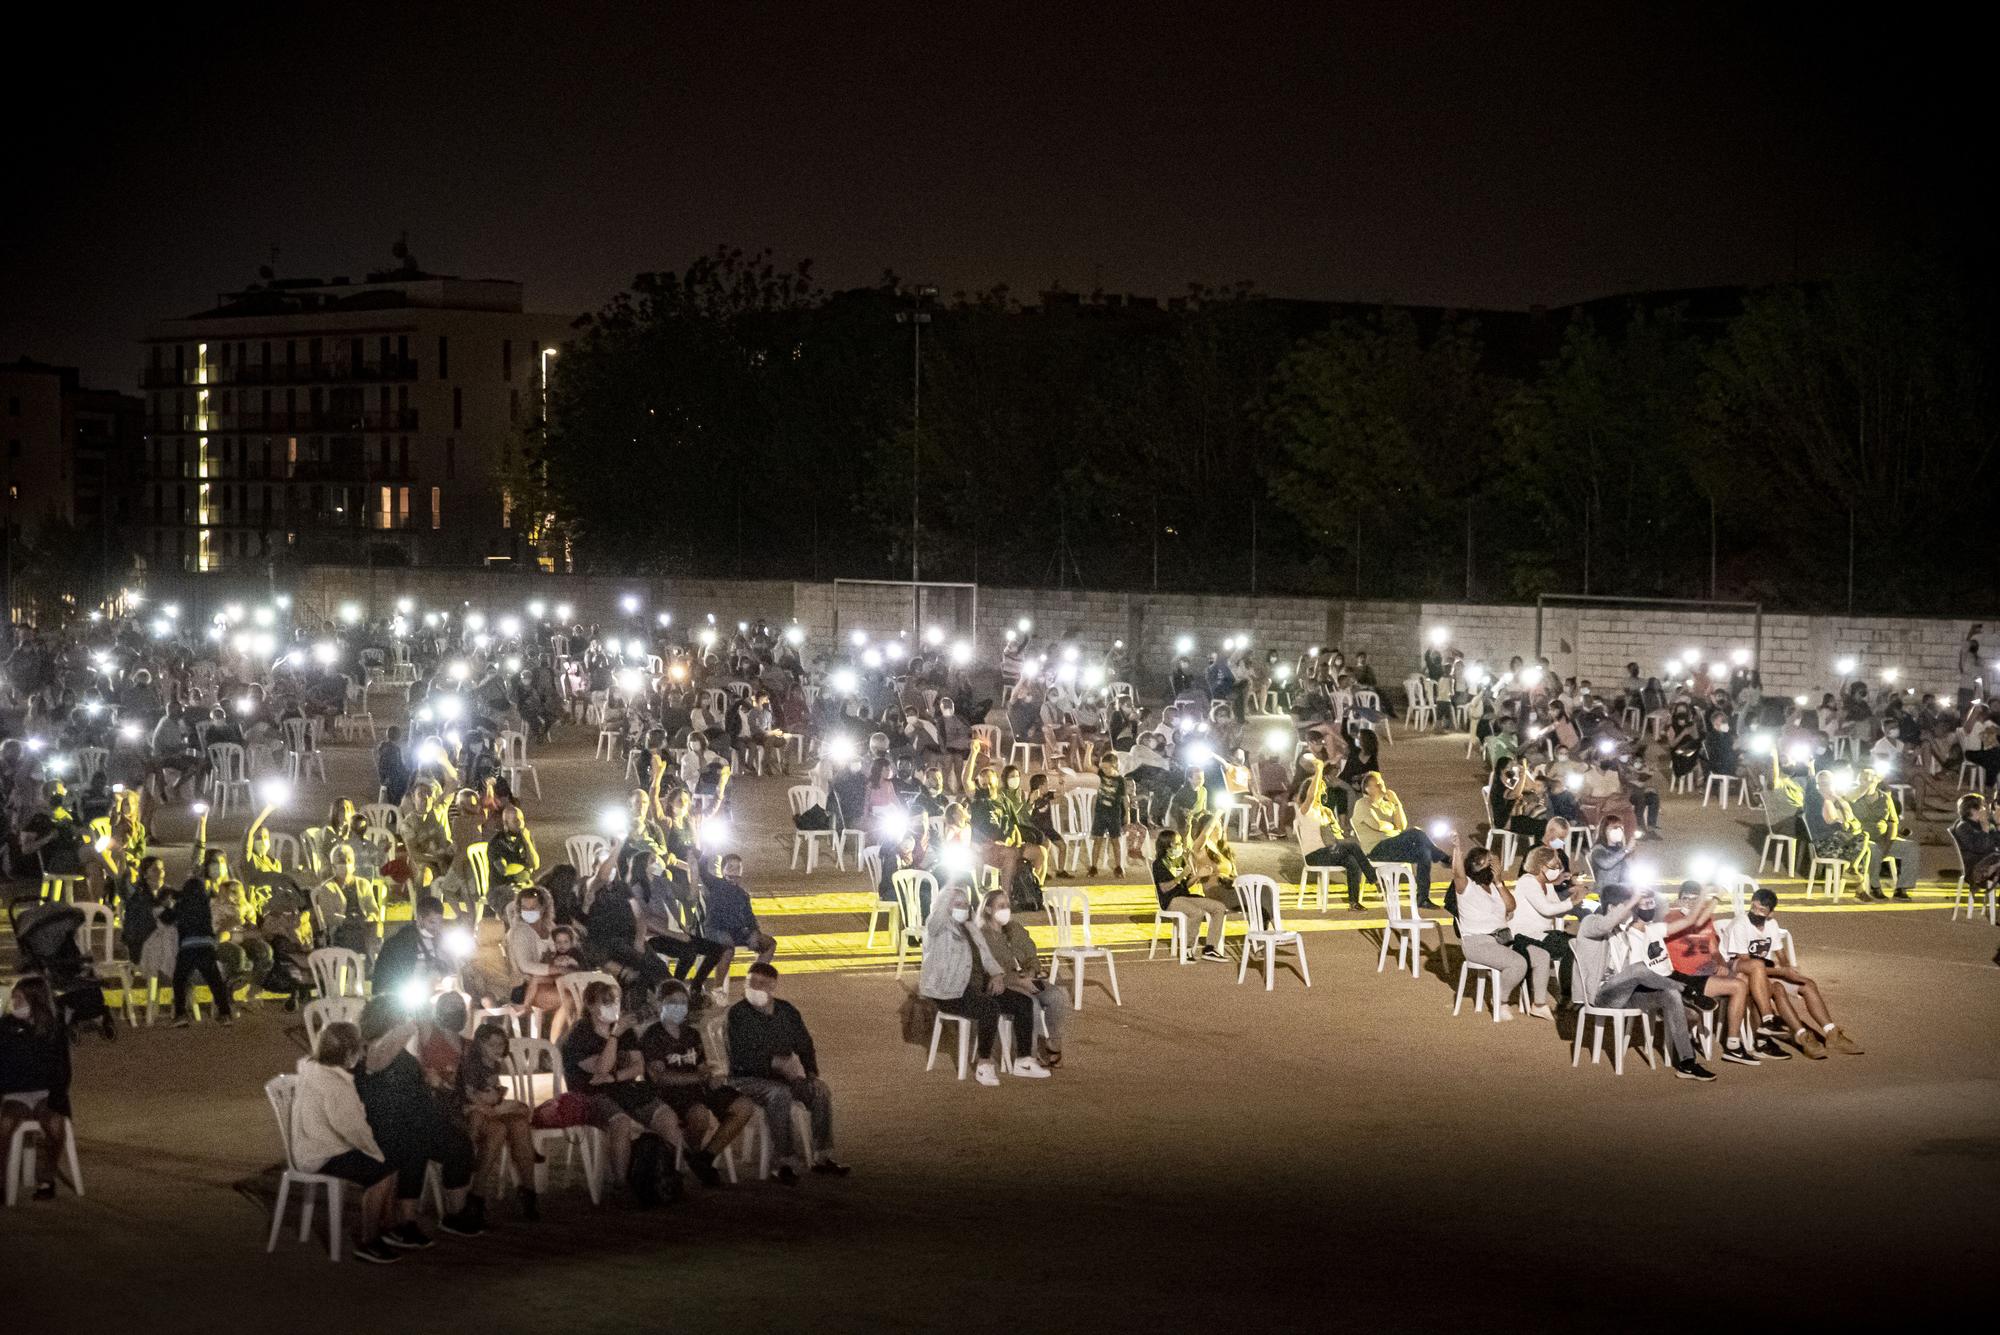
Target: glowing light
(1761, 743)
(430, 618)
(742, 628)
(482, 642)
(707, 637)
(1801, 701)
(246, 705)
(1229, 644)
(564, 611)
(1440, 829)
(840, 750)
(457, 942)
(843, 681)
(413, 993)
(350, 612)
(1024, 625)
(1066, 674)
(1799, 754)
(131, 732)
(430, 753)
(1845, 666)
(233, 612)
(857, 638)
(162, 628)
(513, 663)
(614, 646)
(1691, 655)
(264, 616)
(795, 635)
(871, 658)
(1844, 780)
(1645, 875)
(894, 824)
(274, 792)
(714, 831)
(326, 653)
(956, 859)
(629, 603)
(1010, 637)
(1278, 740)
(1531, 676)
(1184, 644)
(1718, 671)
(961, 654)
(614, 822)
(1891, 674)
(894, 650)
(406, 605)
(664, 619)
(510, 626)
(450, 707)
(1740, 657)
(459, 671)
(284, 600)
(1186, 724)
(677, 672)
(1199, 755)
(171, 611)
(537, 609)
(933, 635)
(1606, 746)
(1093, 677)
(1283, 673)
(1069, 653)
(1439, 635)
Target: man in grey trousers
(1620, 920)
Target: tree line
(1810, 446)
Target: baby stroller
(46, 936)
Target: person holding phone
(1621, 964)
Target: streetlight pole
(916, 318)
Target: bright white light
(1845, 667)
(131, 732)
(614, 646)
(171, 611)
(1186, 724)
(1801, 701)
(1066, 674)
(457, 942)
(296, 658)
(284, 601)
(510, 626)
(430, 618)
(933, 635)
(1010, 637)
(232, 612)
(482, 642)
(459, 671)
(326, 653)
(714, 831)
(564, 611)
(264, 616)
(1844, 780)
(413, 993)
(406, 605)
(1761, 743)
(1440, 829)
(894, 823)
(350, 612)
(1069, 653)
(537, 609)
(430, 753)
(36, 744)
(956, 859)
(1199, 755)
(475, 621)
(263, 643)
(1225, 802)
(843, 681)
(629, 603)
(162, 628)
(246, 705)
(1243, 640)
(1024, 625)
(627, 679)
(1691, 655)
(1574, 783)
(857, 638)
(664, 619)
(1606, 746)
(1439, 635)
(1799, 754)
(795, 635)
(1476, 676)
(1283, 673)
(1891, 674)
(1718, 671)
(895, 650)
(742, 628)
(93, 708)
(274, 792)
(961, 653)
(707, 637)
(1093, 677)
(513, 663)
(1740, 657)
(614, 822)
(871, 658)
(1229, 644)
(450, 707)
(1645, 875)
(840, 750)
(1278, 740)
(1531, 676)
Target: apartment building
(360, 422)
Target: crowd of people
(126, 723)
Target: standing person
(772, 1059)
(1173, 883)
(411, 1129)
(1110, 811)
(192, 914)
(35, 1075)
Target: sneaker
(1211, 953)
(1502, 1015)
(1699, 1002)
(985, 1074)
(702, 1164)
(1903, 895)
(1734, 1052)
(1770, 1051)
(1538, 1012)
(182, 1022)
(1810, 1044)
(1773, 1026)
(829, 1168)
(1692, 1070)
(465, 1224)
(406, 1238)
(375, 1253)
(1840, 1042)
(1030, 1069)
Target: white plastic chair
(1728, 782)
(285, 848)
(1776, 846)
(323, 1011)
(1828, 874)
(227, 776)
(585, 851)
(804, 798)
(281, 1090)
(909, 885)
(338, 972)
(964, 1023)
(97, 938)
(538, 1058)
(514, 762)
(1478, 973)
(21, 1159)
(1406, 925)
(1616, 1017)
(571, 986)
(871, 871)
(381, 815)
(1069, 915)
(90, 762)
(301, 756)
(1073, 825)
(1266, 932)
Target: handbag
(561, 1112)
(917, 1014)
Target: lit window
(437, 507)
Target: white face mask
(960, 915)
(1002, 915)
(756, 996)
(531, 916)
(608, 1013)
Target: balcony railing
(279, 373)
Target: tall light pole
(536, 527)
(916, 318)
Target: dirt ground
(1349, 1155)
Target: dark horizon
(1373, 156)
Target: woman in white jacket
(330, 1135)
(1537, 924)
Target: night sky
(1474, 155)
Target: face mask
(1002, 916)
(531, 916)
(1646, 914)
(608, 1013)
(1013, 785)
(673, 1012)
(1483, 875)
(1758, 919)
(960, 915)
(756, 996)
(1614, 836)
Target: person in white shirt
(1621, 964)
(330, 1134)
(1484, 904)
(1795, 1009)
(1537, 925)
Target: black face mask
(1482, 875)
(1646, 915)
(1758, 919)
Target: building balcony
(278, 373)
(326, 420)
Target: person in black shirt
(712, 1114)
(412, 952)
(192, 912)
(1173, 882)
(771, 1059)
(35, 1076)
(603, 1063)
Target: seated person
(495, 1121)
(602, 1062)
(1173, 883)
(411, 1129)
(1830, 823)
(345, 907)
(772, 1059)
(1006, 952)
(35, 1076)
(1692, 948)
(1751, 940)
(1978, 843)
(727, 918)
(330, 1134)
(415, 951)
(1321, 840)
(1875, 808)
(712, 1114)
(1622, 962)
(1385, 834)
